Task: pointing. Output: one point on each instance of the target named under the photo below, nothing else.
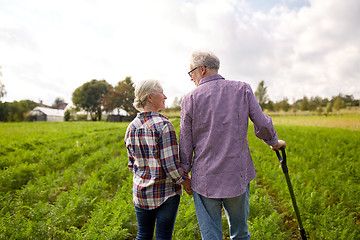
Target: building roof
(50, 111)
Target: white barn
(47, 114)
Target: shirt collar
(149, 114)
(211, 78)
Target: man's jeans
(208, 212)
(164, 216)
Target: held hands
(279, 144)
(187, 186)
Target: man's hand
(279, 144)
(187, 186)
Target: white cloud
(48, 49)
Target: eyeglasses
(190, 73)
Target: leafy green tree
(17, 111)
(304, 104)
(127, 90)
(349, 100)
(270, 106)
(338, 104)
(112, 101)
(121, 97)
(294, 107)
(324, 102)
(284, 104)
(67, 115)
(4, 112)
(328, 108)
(89, 97)
(314, 103)
(261, 94)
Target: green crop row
(70, 181)
(324, 171)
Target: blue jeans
(208, 212)
(164, 216)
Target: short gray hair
(207, 59)
(143, 89)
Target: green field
(70, 181)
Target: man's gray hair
(143, 89)
(207, 59)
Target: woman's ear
(149, 97)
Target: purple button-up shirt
(213, 136)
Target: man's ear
(203, 69)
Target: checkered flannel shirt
(153, 158)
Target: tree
(284, 105)
(328, 108)
(349, 100)
(127, 90)
(177, 103)
(261, 94)
(89, 97)
(270, 106)
(304, 104)
(3, 106)
(17, 111)
(121, 97)
(2, 90)
(294, 106)
(112, 101)
(338, 104)
(2, 87)
(58, 101)
(4, 112)
(67, 115)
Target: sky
(297, 47)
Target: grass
(70, 181)
(346, 121)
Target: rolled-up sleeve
(263, 126)
(186, 136)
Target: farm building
(118, 115)
(47, 114)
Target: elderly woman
(153, 158)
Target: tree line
(93, 97)
(97, 96)
(312, 104)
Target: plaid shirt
(153, 158)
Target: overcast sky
(298, 47)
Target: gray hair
(143, 89)
(207, 59)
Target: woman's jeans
(164, 216)
(208, 212)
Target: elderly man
(214, 147)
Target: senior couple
(212, 147)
